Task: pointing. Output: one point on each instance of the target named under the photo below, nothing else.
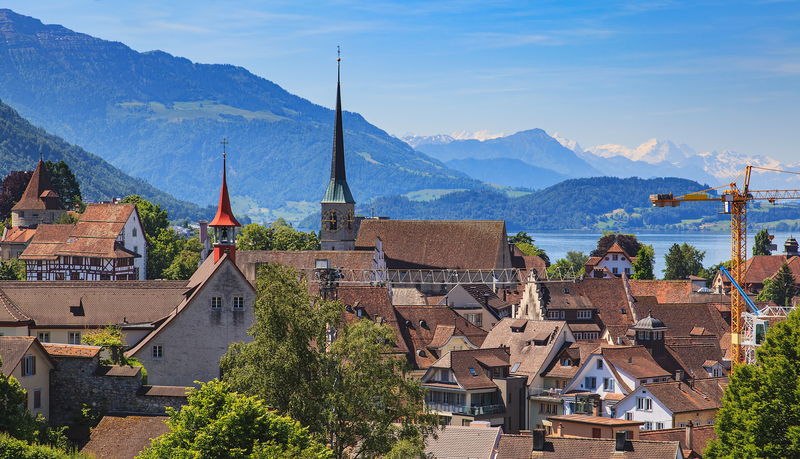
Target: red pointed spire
(224, 215)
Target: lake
(717, 245)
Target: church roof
(39, 194)
(224, 215)
(338, 192)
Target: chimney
(203, 231)
(560, 429)
(678, 375)
(619, 445)
(538, 439)
(689, 435)
(596, 404)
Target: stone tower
(339, 224)
(39, 203)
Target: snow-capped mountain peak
(481, 135)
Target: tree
(287, 238)
(628, 242)
(521, 237)
(760, 414)
(643, 266)
(154, 219)
(761, 242)
(65, 184)
(575, 261)
(13, 269)
(185, 262)
(223, 424)
(255, 237)
(11, 191)
(713, 270)
(352, 393)
(683, 261)
(781, 288)
(110, 339)
(162, 251)
(69, 218)
(526, 245)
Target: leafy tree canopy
(628, 242)
(223, 424)
(11, 191)
(781, 288)
(13, 269)
(352, 393)
(65, 184)
(683, 261)
(574, 261)
(154, 219)
(643, 266)
(276, 237)
(760, 411)
(761, 242)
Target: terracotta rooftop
(529, 342)
(478, 291)
(164, 391)
(691, 357)
(665, 291)
(609, 296)
(701, 435)
(634, 360)
(418, 324)
(458, 442)
(19, 235)
(464, 362)
(248, 260)
(680, 397)
(374, 303)
(576, 352)
(442, 244)
(614, 249)
(35, 196)
(519, 447)
(71, 350)
(595, 420)
(124, 437)
(9, 312)
(760, 267)
(682, 318)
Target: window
(29, 365)
(648, 426)
(444, 375)
(553, 314)
(615, 270)
(644, 404)
(136, 249)
(608, 384)
(216, 302)
(74, 338)
(659, 425)
(716, 372)
(590, 382)
(133, 232)
(44, 337)
(629, 416)
(642, 381)
(710, 422)
(476, 319)
(615, 257)
(37, 399)
(158, 351)
(473, 372)
(627, 270)
(584, 314)
(238, 303)
(698, 423)
(515, 367)
(566, 363)
(599, 364)
(682, 424)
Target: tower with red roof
(224, 222)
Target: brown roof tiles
(124, 437)
(36, 196)
(464, 362)
(519, 447)
(528, 346)
(71, 350)
(634, 360)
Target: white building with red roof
(614, 263)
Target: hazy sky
(715, 75)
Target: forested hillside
(21, 143)
(161, 118)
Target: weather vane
(224, 144)
(338, 63)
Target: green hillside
(21, 142)
(161, 118)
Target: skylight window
(515, 367)
(472, 370)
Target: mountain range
(161, 118)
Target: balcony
(467, 410)
(550, 394)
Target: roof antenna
(338, 64)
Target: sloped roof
(375, 303)
(665, 291)
(19, 235)
(412, 296)
(522, 342)
(71, 350)
(338, 191)
(102, 302)
(680, 397)
(418, 336)
(616, 248)
(478, 292)
(224, 215)
(519, 447)
(634, 360)
(9, 312)
(35, 196)
(440, 244)
(691, 357)
(701, 435)
(607, 295)
(682, 318)
(459, 442)
(577, 352)
(461, 361)
(46, 242)
(13, 348)
(303, 260)
(124, 437)
(760, 267)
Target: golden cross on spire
(338, 63)
(224, 144)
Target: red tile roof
(459, 442)
(680, 397)
(224, 215)
(634, 360)
(35, 196)
(124, 437)
(529, 342)
(665, 291)
(460, 362)
(576, 352)
(682, 318)
(71, 350)
(374, 301)
(519, 447)
(442, 244)
(19, 235)
(701, 435)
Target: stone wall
(78, 381)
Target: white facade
(594, 376)
(642, 406)
(617, 263)
(133, 238)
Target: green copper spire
(338, 191)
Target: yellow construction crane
(733, 201)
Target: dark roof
(760, 267)
(478, 292)
(634, 360)
(418, 336)
(680, 397)
(701, 435)
(529, 342)
(248, 260)
(649, 323)
(691, 357)
(224, 215)
(36, 196)
(13, 348)
(96, 303)
(124, 437)
(9, 312)
(459, 442)
(609, 296)
(477, 359)
(338, 191)
(164, 391)
(520, 446)
(117, 370)
(440, 244)
(375, 303)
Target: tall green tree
(255, 237)
(13, 269)
(575, 261)
(65, 184)
(628, 242)
(643, 266)
(351, 391)
(11, 191)
(185, 262)
(760, 414)
(683, 261)
(154, 219)
(521, 237)
(761, 242)
(222, 424)
(781, 288)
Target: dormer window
(566, 363)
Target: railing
(542, 392)
(468, 410)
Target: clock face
(350, 223)
(332, 221)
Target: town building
(476, 441)
(614, 263)
(24, 358)
(527, 447)
(478, 303)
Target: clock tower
(339, 225)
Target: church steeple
(224, 222)
(339, 224)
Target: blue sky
(715, 75)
